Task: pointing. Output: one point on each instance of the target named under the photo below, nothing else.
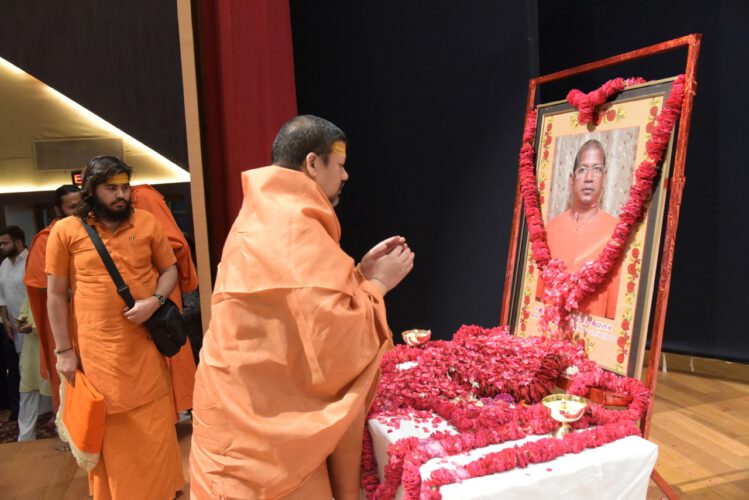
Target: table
(617, 470)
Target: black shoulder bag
(165, 325)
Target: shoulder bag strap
(122, 288)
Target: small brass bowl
(565, 408)
(417, 337)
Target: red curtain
(246, 71)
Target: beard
(103, 212)
(12, 253)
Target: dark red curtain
(246, 71)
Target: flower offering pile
(487, 385)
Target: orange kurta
(118, 357)
(35, 280)
(576, 243)
(292, 352)
(182, 364)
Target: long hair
(97, 172)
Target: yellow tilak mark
(119, 179)
(339, 147)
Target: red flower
(635, 252)
(522, 327)
(548, 127)
(620, 358)
(621, 341)
(649, 128)
(531, 269)
(625, 324)
(542, 186)
(527, 300)
(611, 115)
(541, 199)
(489, 365)
(654, 111)
(546, 154)
(632, 269)
(630, 286)
(548, 140)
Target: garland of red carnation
(565, 291)
(428, 389)
(531, 452)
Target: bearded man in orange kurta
(140, 457)
(67, 200)
(181, 365)
(579, 234)
(291, 358)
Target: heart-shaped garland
(565, 291)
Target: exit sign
(76, 176)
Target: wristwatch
(160, 298)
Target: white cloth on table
(617, 470)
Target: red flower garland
(469, 382)
(530, 452)
(586, 104)
(565, 291)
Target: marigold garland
(565, 291)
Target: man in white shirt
(12, 292)
(12, 296)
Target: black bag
(165, 325)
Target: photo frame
(675, 182)
(612, 327)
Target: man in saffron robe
(67, 200)
(182, 364)
(140, 456)
(290, 361)
(579, 234)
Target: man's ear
(311, 164)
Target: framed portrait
(596, 163)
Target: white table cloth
(617, 470)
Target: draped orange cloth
(35, 280)
(576, 243)
(291, 358)
(182, 364)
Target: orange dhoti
(152, 469)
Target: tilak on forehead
(339, 147)
(121, 178)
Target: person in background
(67, 199)
(182, 364)
(12, 298)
